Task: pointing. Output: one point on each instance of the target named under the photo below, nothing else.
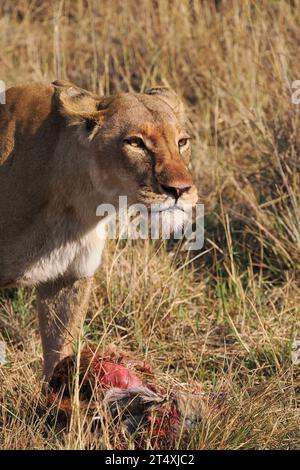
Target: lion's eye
(183, 142)
(135, 142)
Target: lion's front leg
(62, 306)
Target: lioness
(64, 151)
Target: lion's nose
(175, 191)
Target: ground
(224, 317)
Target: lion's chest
(77, 259)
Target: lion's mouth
(168, 205)
(157, 204)
(162, 206)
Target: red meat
(115, 375)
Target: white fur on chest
(80, 258)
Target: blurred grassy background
(227, 318)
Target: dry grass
(228, 318)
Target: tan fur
(62, 153)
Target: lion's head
(138, 144)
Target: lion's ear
(171, 98)
(80, 108)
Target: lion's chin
(168, 222)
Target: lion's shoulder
(26, 108)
